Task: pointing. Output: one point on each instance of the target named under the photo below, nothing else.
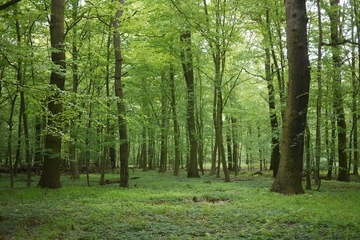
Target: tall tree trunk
(289, 178)
(9, 142)
(50, 176)
(275, 142)
(124, 142)
(357, 23)
(164, 127)
(144, 150)
(318, 100)
(187, 65)
(337, 90)
(23, 115)
(106, 148)
(307, 158)
(235, 145)
(332, 147)
(74, 173)
(176, 127)
(200, 123)
(280, 68)
(229, 148)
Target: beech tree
(289, 178)
(123, 136)
(50, 176)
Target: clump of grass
(162, 207)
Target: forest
(206, 98)
(173, 85)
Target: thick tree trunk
(50, 177)
(289, 178)
(186, 59)
(124, 142)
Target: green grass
(161, 207)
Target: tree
(124, 142)
(187, 64)
(289, 178)
(338, 104)
(275, 143)
(50, 176)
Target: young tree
(289, 178)
(50, 176)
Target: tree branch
(8, 4)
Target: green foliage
(161, 206)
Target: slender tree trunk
(124, 142)
(164, 127)
(275, 142)
(279, 63)
(106, 148)
(144, 148)
(175, 122)
(308, 159)
(332, 152)
(235, 145)
(338, 100)
(9, 142)
(356, 80)
(289, 178)
(318, 100)
(38, 158)
(200, 123)
(50, 177)
(229, 148)
(74, 172)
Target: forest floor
(161, 206)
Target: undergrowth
(161, 206)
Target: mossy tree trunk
(289, 178)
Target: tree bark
(275, 142)
(235, 143)
(124, 142)
(289, 178)
(318, 100)
(74, 173)
(357, 23)
(176, 127)
(187, 65)
(337, 90)
(50, 176)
